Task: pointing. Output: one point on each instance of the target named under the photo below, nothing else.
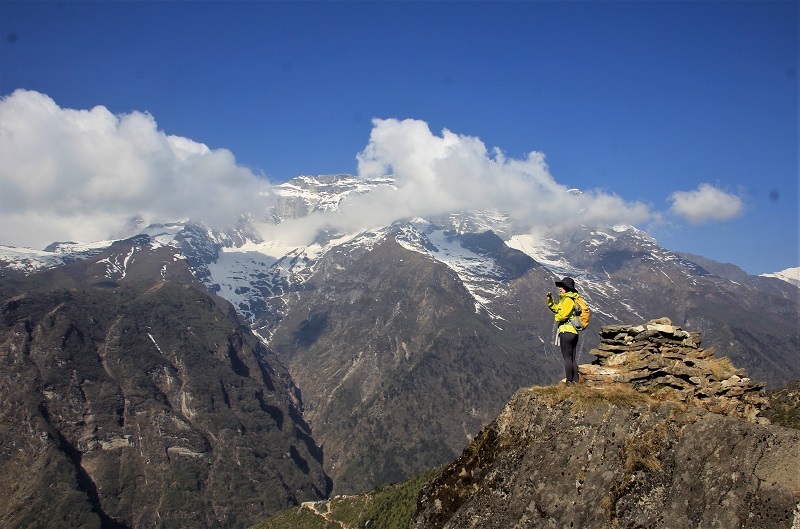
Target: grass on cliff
(386, 507)
(784, 407)
(721, 366)
(584, 396)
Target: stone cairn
(666, 361)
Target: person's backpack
(581, 314)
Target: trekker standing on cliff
(567, 335)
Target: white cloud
(441, 174)
(707, 203)
(451, 173)
(83, 174)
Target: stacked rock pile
(664, 360)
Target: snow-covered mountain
(423, 328)
(27, 260)
(304, 195)
(264, 278)
(244, 252)
(790, 275)
(261, 278)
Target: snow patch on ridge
(475, 270)
(255, 275)
(790, 275)
(28, 260)
(117, 265)
(549, 254)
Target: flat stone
(613, 330)
(698, 381)
(622, 358)
(596, 370)
(639, 374)
(666, 329)
(650, 364)
(702, 353)
(622, 377)
(654, 363)
(713, 388)
(682, 370)
(600, 353)
(604, 346)
(645, 335)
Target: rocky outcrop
(607, 456)
(664, 360)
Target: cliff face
(142, 406)
(609, 456)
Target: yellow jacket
(563, 310)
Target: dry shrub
(642, 451)
(584, 396)
(721, 367)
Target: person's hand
(549, 295)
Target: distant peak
(790, 275)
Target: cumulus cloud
(705, 204)
(84, 174)
(451, 172)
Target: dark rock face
(144, 405)
(567, 457)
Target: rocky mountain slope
(601, 454)
(404, 340)
(588, 457)
(396, 366)
(133, 402)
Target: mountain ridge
(440, 318)
(300, 197)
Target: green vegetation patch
(387, 507)
(297, 518)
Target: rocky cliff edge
(608, 456)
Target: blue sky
(640, 100)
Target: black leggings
(569, 344)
